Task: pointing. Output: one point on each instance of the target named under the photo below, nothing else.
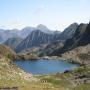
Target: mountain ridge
(6, 34)
(38, 37)
(80, 38)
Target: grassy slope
(66, 80)
(10, 77)
(7, 52)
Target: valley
(51, 52)
(44, 44)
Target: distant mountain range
(37, 37)
(6, 34)
(45, 41)
(81, 37)
(13, 42)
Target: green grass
(9, 77)
(82, 87)
(58, 81)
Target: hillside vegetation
(7, 52)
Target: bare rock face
(80, 38)
(38, 37)
(34, 39)
(69, 31)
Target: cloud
(39, 10)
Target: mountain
(49, 48)
(69, 31)
(80, 38)
(35, 38)
(1, 39)
(77, 38)
(6, 34)
(13, 42)
(38, 37)
(26, 31)
(44, 29)
(85, 39)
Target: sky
(55, 14)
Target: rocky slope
(79, 55)
(49, 48)
(36, 38)
(76, 39)
(80, 38)
(69, 31)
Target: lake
(44, 66)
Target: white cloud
(40, 9)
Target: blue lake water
(44, 66)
